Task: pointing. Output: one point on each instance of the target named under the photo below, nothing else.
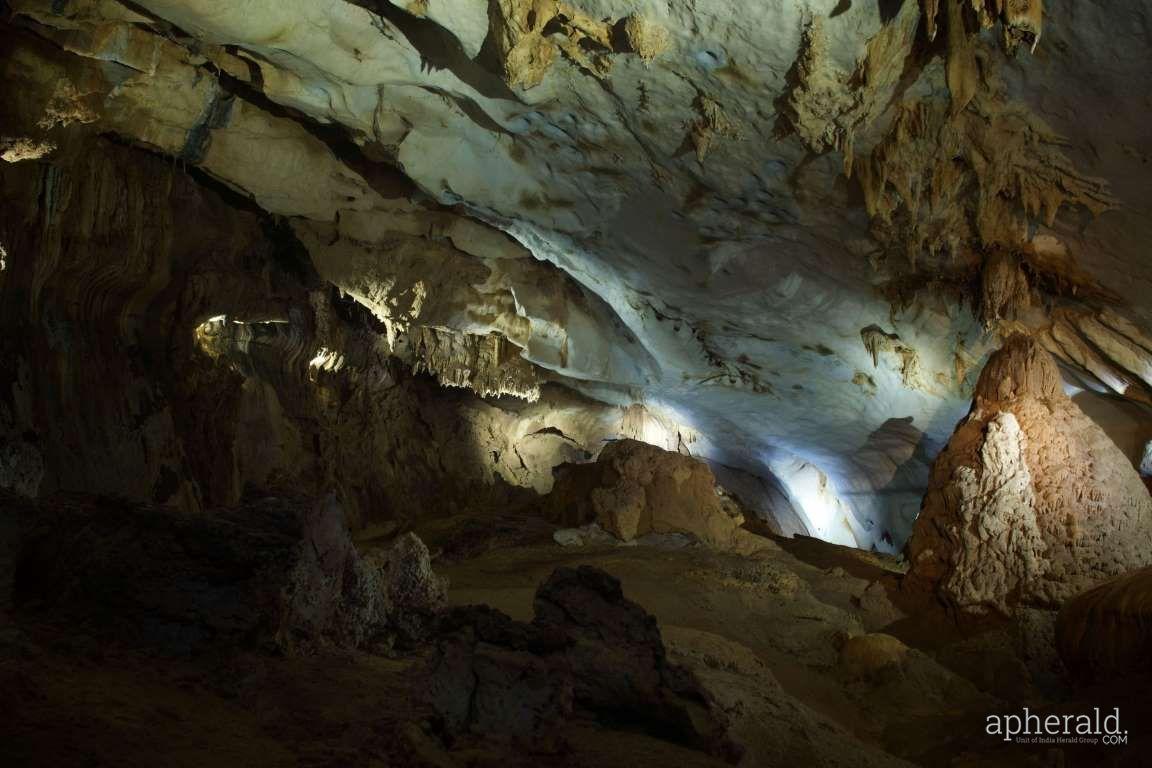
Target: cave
(465, 383)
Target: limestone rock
(883, 674)
(274, 575)
(584, 193)
(1106, 633)
(412, 593)
(763, 498)
(583, 536)
(867, 655)
(764, 575)
(588, 649)
(772, 726)
(633, 489)
(1031, 502)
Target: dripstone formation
(1030, 503)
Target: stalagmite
(1030, 502)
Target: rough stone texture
(763, 498)
(402, 574)
(633, 489)
(772, 726)
(697, 209)
(884, 674)
(21, 468)
(587, 649)
(1031, 502)
(869, 655)
(275, 574)
(585, 535)
(1105, 634)
(189, 371)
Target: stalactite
(1021, 21)
(1005, 291)
(489, 365)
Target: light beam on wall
(813, 495)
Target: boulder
(634, 489)
(588, 650)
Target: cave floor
(789, 609)
(787, 623)
(780, 615)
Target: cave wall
(793, 250)
(101, 276)
(192, 364)
(106, 386)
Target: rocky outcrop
(587, 650)
(1030, 502)
(274, 575)
(633, 489)
(1105, 634)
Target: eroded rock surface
(634, 489)
(273, 575)
(1105, 634)
(588, 649)
(1030, 503)
(697, 211)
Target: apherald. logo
(1030, 728)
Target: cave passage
(538, 382)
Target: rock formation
(710, 285)
(524, 193)
(633, 489)
(274, 575)
(1105, 634)
(587, 649)
(1030, 503)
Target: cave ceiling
(793, 229)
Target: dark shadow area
(889, 9)
(440, 49)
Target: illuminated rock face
(635, 489)
(1030, 503)
(767, 222)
